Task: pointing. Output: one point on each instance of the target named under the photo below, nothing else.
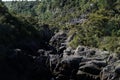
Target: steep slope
(19, 41)
(16, 32)
(96, 22)
(93, 23)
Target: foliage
(19, 30)
(100, 29)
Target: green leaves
(101, 25)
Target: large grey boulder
(68, 52)
(100, 64)
(86, 76)
(90, 68)
(117, 69)
(84, 51)
(111, 71)
(58, 38)
(79, 49)
(68, 67)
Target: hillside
(96, 22)
(20, 33)
(60, 40)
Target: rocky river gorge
(58, 61)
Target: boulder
(117, 69)
(84, 51)
(107, 73)
(69, 51)
(111, 71)
(90, 68)
(100, 64)
(85, 76)
(79, 49)
(54, 60)
(91, 53)
(61, 49)
(68, 67)
(58, 38)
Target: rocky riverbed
(57, 61)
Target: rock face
(58, 39)
(86, 63)
(20, 66)
(59, 62)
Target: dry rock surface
(57, 61)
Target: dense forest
(15, 30)
(96, 22)
(60, 40)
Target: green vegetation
(101, 19)
(16, 31)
